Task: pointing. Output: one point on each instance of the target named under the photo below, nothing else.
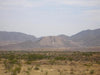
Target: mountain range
(21, 41)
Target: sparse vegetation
(91, 71)
(50, 63)
(36, 67)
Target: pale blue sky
(49, 17)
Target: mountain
(56, 42)
(14, 37)
(20, 46)
(44, 42)
(87, 38)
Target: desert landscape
(49, 37)
(49, 63)
(23, 54)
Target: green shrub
(28, 62)
(60, 58)
(36, 67)
(52, 62)
(91, 71)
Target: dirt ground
(71, 68)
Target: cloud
(4, 4)
(94, 11)
(81, 2)
(93, 15)
(10, 4)
(76, 2)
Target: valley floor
(79, 64)
(69, 69)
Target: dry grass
(59, 67)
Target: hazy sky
(49, 17)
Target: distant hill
(44, 42)
(83, 39)
(56, 42)
(14, 37)
(87, 38)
